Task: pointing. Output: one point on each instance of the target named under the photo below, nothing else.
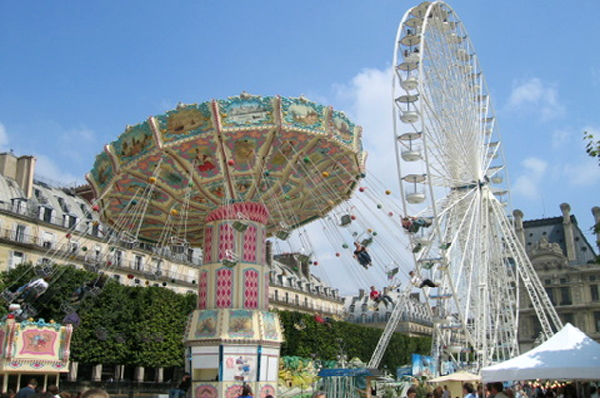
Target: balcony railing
(83, 228)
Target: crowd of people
(499, 390)
(32, 389)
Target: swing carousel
(223, 176)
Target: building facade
(41, 224)
(294, 288)
(415, 320)
(566, 264)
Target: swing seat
(440, 296)
(240, 226)
(452, 326)
(229, 263)
(8, 296)
(282, 235)
(345, 220)
(427, 265)
(92, 267)
(303, 258)
(127, 237)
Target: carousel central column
(232, 338)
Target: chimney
(305, 268)
(25, 169)
(8, 165)
(596, 214)
(519, 230)
(568, 228)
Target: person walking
(29, 390)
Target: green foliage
(326, 341)
(592, 146)
(120, 325)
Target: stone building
(293, 287)
(42, 222)
(566, 264)
(414, 322)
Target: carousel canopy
(296, 157)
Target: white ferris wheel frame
(498, 339)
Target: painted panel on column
(250, 244)
(226, 243)
(233, 391)
(267, 390)
(266, 291)
(207, 251)
(250, 288)
(202, 290)
(206, 390)
(260, 246)
(240, 368)
(223, 291)
(206, 326)
(240, 324)
(270, 326)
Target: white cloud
(533, 96)
(583, 173)
(47, 168)
(527, 184)
(560, 137)
(3, 136)
(368, 96)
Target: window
(551, 295)
(597, 320)
(537, 327)
(287, 297)
(20, 233)
(297, 300)
(118, 257)
(47, 240)
(69, 221)
(567, 318)
(594, 292)
(563, 280)
(276, 294)
(17, 258)
(305, 301)
(46, 214)
(565, 294)
(95, 229)
(138, 262)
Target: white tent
(569, 354)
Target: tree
(327, 341)
(592, 146)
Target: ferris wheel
(454, 193)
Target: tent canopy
(569, 354)
(460, 376)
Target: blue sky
(73, 74)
